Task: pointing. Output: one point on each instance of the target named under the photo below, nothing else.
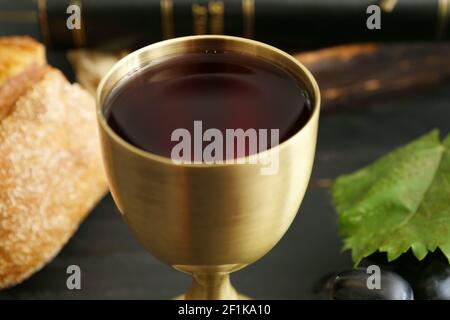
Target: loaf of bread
(51, 172)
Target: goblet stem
(211, 287)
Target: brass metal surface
(442, 18)
(167, 18)
(207, 219)
(248, 13)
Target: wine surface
(223, 90)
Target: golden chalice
(207, 220)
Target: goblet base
(211, 287)
(239, 297)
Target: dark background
(115, 266)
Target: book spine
(290, 24)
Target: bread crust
(22, 63)
(17, 54)
(51, 173)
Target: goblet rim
(314, 90)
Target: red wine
(223, 90)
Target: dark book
(289, 24)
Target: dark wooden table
(115, 266)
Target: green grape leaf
(400, 201)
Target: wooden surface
(352, 75)
(115, 266)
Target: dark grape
(322, 288)
(407, 265)
(429, 278)
(352, 285)
(434, 281)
